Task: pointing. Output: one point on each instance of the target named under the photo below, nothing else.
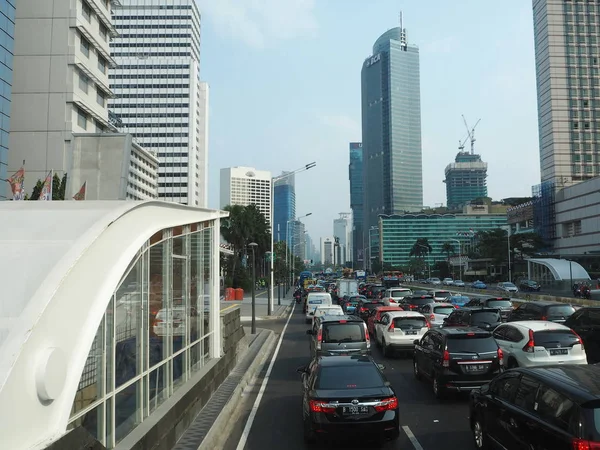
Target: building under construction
(466, 177)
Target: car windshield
(342, 332)
(560, 310)
(443, 309)
(410, 323)
(444, 294)
(509, 285)
(499, 303)
(485, 317)
(349, 377)
(555, 338)
(471, 344)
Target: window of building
(81, 119)
(100, 98)
(103, 31)
(84, 46)
(102, 64)
(86, 10)
(84, 82)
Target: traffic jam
(528, 370)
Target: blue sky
(284, 81)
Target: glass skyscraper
(7, 32)
(284, 209)
(391, 128)
(356, 202)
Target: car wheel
(416, 371)
(512, 363)
(384, 349)
(438, 389)
(479, 435)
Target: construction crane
(471, 132)
(461, 143)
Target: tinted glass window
(397, 294)
(555, 408)
(594, 316)
(420, 301)
(349, 377)
(485, 317)
(499, 303)
(342, 332)
(555, 338)
(372, 305)
(526, 393)
(410, 323)
(443, 309)
(505, 387)
(444, 294)
(471, 344)
(561, 310)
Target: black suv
(416, 302)
(484, 318)
(504, 304)
(586, 323)
(540, 310)
(366, 307)
(551, 407)
(458, 359)
(530, 285)
(348, 397)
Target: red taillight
(391, 327)
(544, 318)
(387, 404)
(319, 338)
(581, 444)
(428, 325)
(343, 321)
(580, 341)
(500, 356)
(322, 407)
(530, 346)
(362, 309)
(432, 316)
(446, 359)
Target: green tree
(448, 248)
(59, 187)
(420, 248)
(526, 244)
(493, 244)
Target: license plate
(559, 351)
(355, 410)
(411, 332)
(475, 367)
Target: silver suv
(339, 335)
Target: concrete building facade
(327, 251)
(113, 167)
(246, 186)
(159, 96)
(284, 206)
(60, 81)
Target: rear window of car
(499, 303)
(372, 305)
(443, 309)
(444, 294)
(471, 344)
(555, 338)
(410, 323)
(560, 310)
(398, 294)
(349, 377)
(485, 317)
(420, 301)
(342, 332)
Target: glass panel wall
(154, 335)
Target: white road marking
(263, 387)
(412, 438)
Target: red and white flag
(17, 181)
(81, 194)
(46, 193)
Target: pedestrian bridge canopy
(107, 309)
(552, 269)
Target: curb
(220, 430)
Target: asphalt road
(426, 424)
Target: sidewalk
(261, 306)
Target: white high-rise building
(60, 81)
(159, 96)
(246, 186)
(327, 251)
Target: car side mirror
(309, 332)
(381, 366)
(416, 342)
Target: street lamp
(273, 181)
(459, 258)
(252, 245)
(428, 254)
(293, 273)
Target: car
(333, 335)
(397, 331)
(586, 323)
(377, 313)
(459, 300)
(539, 343)
(507, 287)
(414, 302)
(457, 359)
(447, 281)
(542, 310)
(315, 299)
(478, 285)
(554, 407)
(458, 283)
(348, 397)
(395, 295)
(365, 307)
(435, 313)
(441, 296)
(530, 285)
(503, 304)
(328, 310)
(484, 318)
(434, 281)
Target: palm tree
(420, 248)
(447, 248)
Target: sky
(284, 79)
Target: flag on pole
(17, 181)
(46, 193)
(82, 191)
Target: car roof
(399, 289)
(496, 298)
(446, 304)
(538, 325)
(346, 317)
(405, 314)
(580, 382)
(329, 307)
(546, 303)
(388, 308)
(459, 331)
(345, 361)
(480, 309)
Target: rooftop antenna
(402, 31)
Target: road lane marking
(263, 387)
(229, 307)
(412, 438)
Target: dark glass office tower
(391, 128)
(356, 202)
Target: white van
(315, 299)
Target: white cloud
(342, 123)
(447, 44)
(258, 22)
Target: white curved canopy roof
(60, 263)
(562, 269)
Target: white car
(531, 343)
(393, 296)
(458, 283)
(398, 330)
(507, 287)
(435, 281)
(447, 281)
(327, 310)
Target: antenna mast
(402, 31)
